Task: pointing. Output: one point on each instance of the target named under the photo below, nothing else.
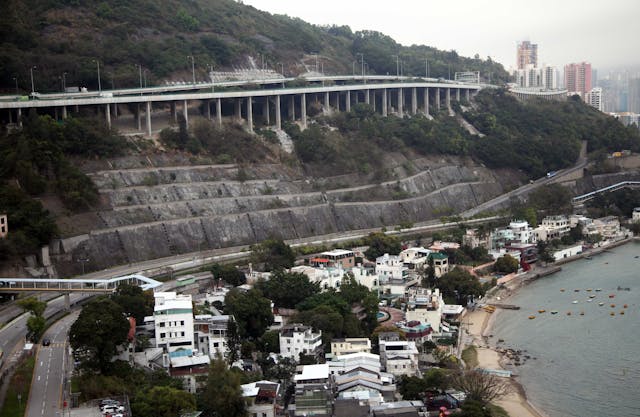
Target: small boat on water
(624, 306)
(589, 300)
(568, 313)
(561, 289)
(612, 314)
(588, 258)
(601, 304)
(582, 313)
(532, 317)
(622, 312)
(592, 296)
(598, 289)
(554, 311)
(574, 302)
(589, 289)
(542, 310)
(612, 295)
(613, 305)
(576, 290)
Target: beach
(479, 324)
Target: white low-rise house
(415, 258)
(567, 252)
(552, 227)
(607, 227)
(474, 239)
(399, 357)
(391, 267)
(192, 370)
(297, 339)
(261, 398)
(518, 231)
(350, 345)
(313, 392)
(210, 335)
(366, 276)
(173, 319)
(326, 277)
(440, 263)
(425, 306)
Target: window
(181, 322)
(163, 335)
(162, 324)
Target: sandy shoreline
(479, 329)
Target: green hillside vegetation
(67, 36)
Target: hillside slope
(67, 36)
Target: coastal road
(52, 362)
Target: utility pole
(426, 68)
(140, 70)
(193, 68)
(397, 65)
(362, 64)
(99, 82)
(64, 82)
(33, 89)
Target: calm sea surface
(587, 365)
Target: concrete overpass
(387, 95)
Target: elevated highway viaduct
(269, 105)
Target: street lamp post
(353, 67)
(16, 81)
(99, 82)
(64, 82)
(362, 65)
(426, 68)
(397, 65)
(193, 68)
(140, 71)
(33, 89)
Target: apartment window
(162, 324)
(182, 334)
(181, 322)
(163, 335)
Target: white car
(112, 409)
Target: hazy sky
(605, 33)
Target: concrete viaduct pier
(258, 107)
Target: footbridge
(259, 104)
(75, 285)
(588, 196)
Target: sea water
(585, 365)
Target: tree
(269, 342)
(480, 386)
(286, 289)
(380, 243)
(544, 254)
(97, 333)
(134, 301)
(272, 254)
(36, 322)
(222, 395)
(251, 311)
(229, 274)
(163, 401)
(506, 264)
(457, 284)
(233, 341)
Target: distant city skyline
(565, 32)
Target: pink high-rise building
(577, 78)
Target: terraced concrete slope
(154, 212)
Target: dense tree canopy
(134, 301)
(286, 289)
(458, 284)
(229, 274)
(222, 395)
(163, 401)
(251, 310)
(97, 333)
(506, 264)
(380, 243)
(272, 254)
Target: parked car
(112, 409)
(108, 401)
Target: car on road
(46, 342)
(112, 409)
